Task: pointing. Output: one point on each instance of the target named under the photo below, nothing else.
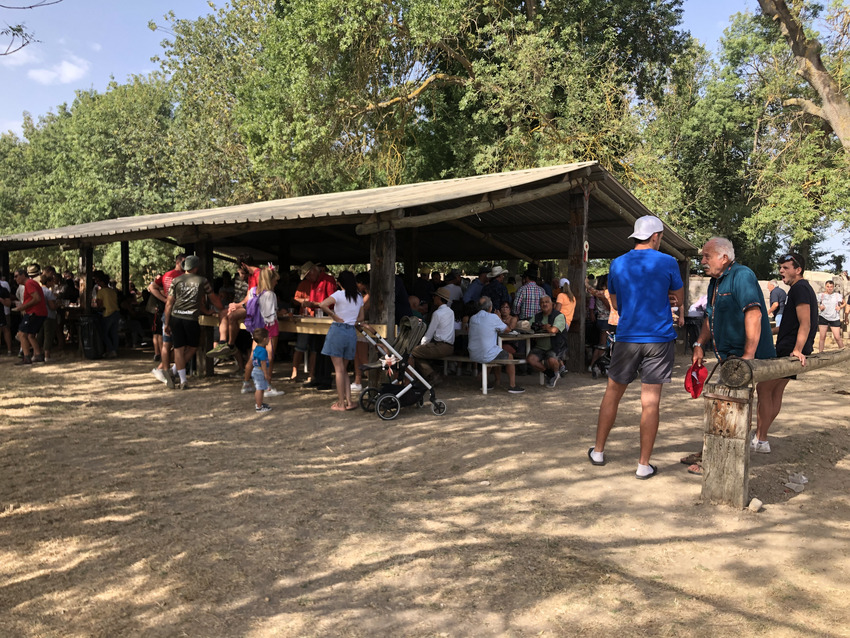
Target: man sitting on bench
(484, 329)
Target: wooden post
(125, 267)
(205, 366)
(382, 248)
(726, 444)
(4, 264)
(578, 210)
(382, 279)
(84, 269)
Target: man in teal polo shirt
(736, 317)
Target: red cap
(695, 378)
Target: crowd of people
(464, 316)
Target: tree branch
(442, 78)
(807, 106)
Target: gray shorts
(654, 361)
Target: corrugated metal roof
(533, 227)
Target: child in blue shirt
(260, 372)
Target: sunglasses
(791, 259)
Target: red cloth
(254, 279)
(39, 309)
(695, 378)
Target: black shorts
(3, 320)
(826, 322)
(185, 333)
(31, 324)
(156, 327)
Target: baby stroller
(600, 368)
(389, 398)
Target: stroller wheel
(368, 397)
(438, 408)
(388, 406)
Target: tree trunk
(835, 108)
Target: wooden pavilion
(570, 212)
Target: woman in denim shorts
(345, 307)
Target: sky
(83, 44)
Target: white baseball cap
(563, 281)
(645, 227)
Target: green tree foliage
(207, 61)
(343, 90)
(106, 156)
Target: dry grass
(129, 510)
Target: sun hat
(695, 378)
(497, 270)
(647, 225)
(443, 293)
(307, 267)
(33, 270)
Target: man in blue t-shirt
(640, 284)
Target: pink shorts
(273, 328)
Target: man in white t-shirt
(453, 286)
(439, 340)
(484, 330)
(829, 314)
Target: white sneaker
(247, 387)
(762, 447)
(356, 387)
(159, 374)
(271, 392)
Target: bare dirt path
(129, 510)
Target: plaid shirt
(527, 300)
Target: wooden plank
(300, 325)
(470, 209)
(737, 373)
(725, 453)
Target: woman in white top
(829, 315)
(345, 307)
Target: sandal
(650, 475)
(690, 459)
(696, 468)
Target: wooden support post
(382, 285)
(578, 212)
(205, 367)
(726, 445)
(84, 270)
(125, 267)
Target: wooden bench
(458, 358)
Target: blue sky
(84, 43)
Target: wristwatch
(696, 344)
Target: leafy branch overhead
(16, 35)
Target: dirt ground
(130, 510)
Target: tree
(834, 108)
(344, 90)
(17, 35)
